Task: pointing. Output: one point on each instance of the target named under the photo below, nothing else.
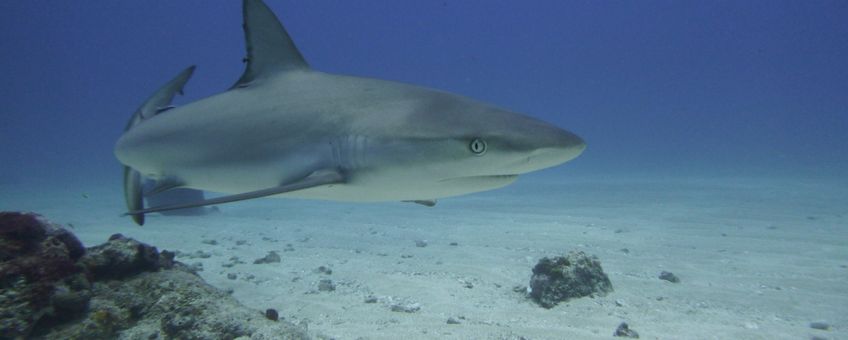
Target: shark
(287, 130)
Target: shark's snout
(552, 146)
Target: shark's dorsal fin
(270, 49)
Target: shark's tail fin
(157, 103)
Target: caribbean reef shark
(286, 130)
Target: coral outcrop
(51, 287)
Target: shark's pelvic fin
(270, 49)
(317, 178)
(132, 193)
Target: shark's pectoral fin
(132, 194)
(426, 203)
(316, 178)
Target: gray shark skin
(286, 130)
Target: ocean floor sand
(757, 258)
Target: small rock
(241, 242)
(452, 321)
(232, 276)
(454, 244)
(196, 267)
(371, 299)
(270, 258)
(619, 303)
(421, 243)
(324, 270)
(326, 285)
(406, 308)
(624, 330)
(820, 325)
(210, 242)
(669, 276)
(271, 314)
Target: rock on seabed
(563, 278)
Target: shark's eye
(477, 146)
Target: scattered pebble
(405, 256)
(288, 247)
(820, 325)
(454, 244)
(421, 243)
(232, 276)
(620, 303)
(326, 285)
(271, 314)
(270, 258)
(324, 270)
(624, 330)
(241, 242)
(452, 321)
(371, 299)
(669, 276)
(210, 242)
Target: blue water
(739, 88)
(716, 136)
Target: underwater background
(716, 135)
(675, 87)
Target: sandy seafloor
(758, 258)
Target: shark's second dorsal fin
(161, 99)
(270, 50)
